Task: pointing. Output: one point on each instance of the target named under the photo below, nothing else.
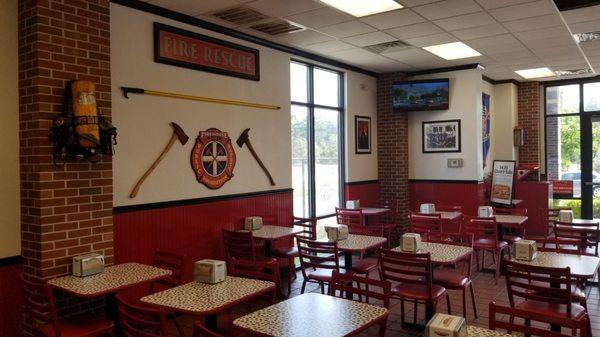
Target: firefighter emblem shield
(213, 158)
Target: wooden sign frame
(502, 191)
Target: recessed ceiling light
(535, 72)
(360, 8)
(452, 51)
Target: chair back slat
(510, 211)
(38, 303)
(309, 227)
(406, 268)
(170, 261)
(463, 240)
(425, 223)
(577, 237)
(448, 208)
(535, 283)
(140, 321)
(317, 255)
(481, 228)
(349, 217)
(514, 320)
(239, 245)
(363, 287)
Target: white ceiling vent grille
(388, 47)
(585, 37)
(240, 15)
(277, 27)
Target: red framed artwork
(362, 127)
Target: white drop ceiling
(510, 34)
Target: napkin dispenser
(87, 265)
(525, 250)
(210, 271)
(485, 211)
(565, 215)
(253, 223)
(336, 232)
(353, 204)
(427, 208)
(411, 242)
(442, 325)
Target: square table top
(475, 331)
(312, 315)
(442, 253)
(202, 299)
(374, 210)
(508, 219)
(358, 243)
(446, 215)
(581, 265)
(585, 221)
(113, 279)
(269, 232)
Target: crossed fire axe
(179, 134)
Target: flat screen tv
(421, 95)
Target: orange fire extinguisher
(85, 114)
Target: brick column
(66, 210)
(529, 119)
(392, 146)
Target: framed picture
(441, 136)
(362, 127)
(503, 180)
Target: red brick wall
(66, 210)
(529, 119)
(392, 146)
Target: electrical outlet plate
(455, 162)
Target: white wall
(503, 121)
(143, 121)
(465, 104)
(10, 221)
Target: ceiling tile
(585, 27)
(320, 17)
(491, 4)
(417, 30)
(284, 7)
(447, 8)
(543, 21)
(194, 7)
(329, 46)
(418, 58)
(431, 40)
(352, 55)
(414, 3)
(591, 48)
(346, 29)
(397, 18)
(465, 21)
(369, 39)
(303, 38)
(582, 14)
(479, 32)
(526, 10)
(497, 43)
(381, 64)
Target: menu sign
(562, 187)
(503, 179)
(187, 49)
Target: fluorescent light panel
(535, 72)
(453, 51)
(360, 8)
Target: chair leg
(482, 258)
(303, 286)
(477, 259)
(177, 326)
(448, 304)
(382, 328)
(473, 300)
(464, 302)
(497, 256)
(415, 311)
(322, 287)
(402, 310)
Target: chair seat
(489, 244)
(450, 278)
(510, 239)
(418, 291)
(79, 328)
(324, 275)
(577, 294)
(285, 252)
(365, 265)
(551, 309)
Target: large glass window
(316, 117)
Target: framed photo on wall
(441, 136)
(362, 127)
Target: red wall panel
(10, 301)
(367, 192)
(469, 195)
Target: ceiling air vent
(573, 72)
(240, 15)
(388, 47)
(277, 27)
(585, 37)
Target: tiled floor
(485, 291)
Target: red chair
(577, 238)
(546, 291)
(413, 274)
(260, 270)
(512, 234)
(456, 279)
(175, 263)
(423, 224)
(355, 218)
(309, 231)
(240, 245)
(497, 312)
(39, 307)
(457, 222)
(342, 284)
(138, 321)
(318, 261)
(201, 331)
(485, 238)
(365, 265)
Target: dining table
(312, 314)
(477, 331)
(442, 253)
(114, 279)
(373, 211)
(509, 220)
(270, 233)
(207, 300)
(356, 243)
(582, 266)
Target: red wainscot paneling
(365, 191)
(10, 297)
(536, 197)
(192, 227)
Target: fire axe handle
(264, 168)
(139, 183)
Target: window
(317, 134)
